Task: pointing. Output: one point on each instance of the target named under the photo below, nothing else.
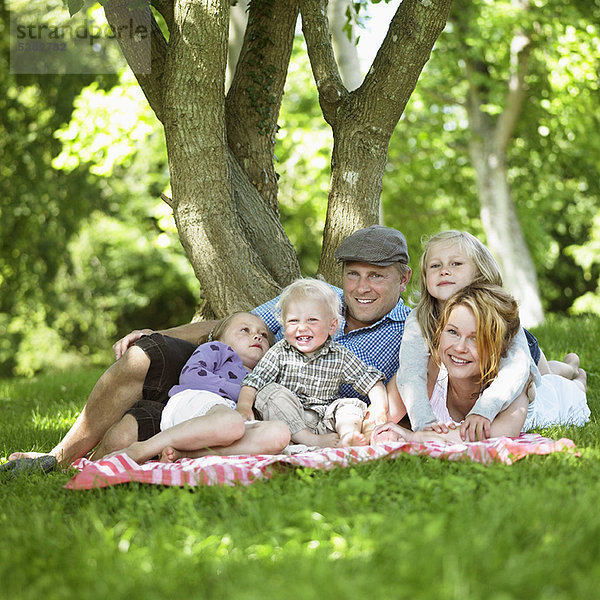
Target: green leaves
(74, 6)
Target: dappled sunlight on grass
(412, 527)
(56, 422)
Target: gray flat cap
(376, 245)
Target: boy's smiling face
(307, 325)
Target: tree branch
(315, 26)
(147, 68)
(167, 200)
(403, 53)
(520, 52)
(254, 99)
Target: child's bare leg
(221, 426)
(543, 365)
(510, 421)
(569, 368)
(308, 438)
(265, 437)
(276, 403)
(349, 428)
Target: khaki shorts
(276, 403)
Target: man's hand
(475, 428)
(388, 432)
(120, 347)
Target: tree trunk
(345, 49)
(219, 240)
(230, 232)
(503, 230)
(363, 120)
(488, 148)
(221, 150)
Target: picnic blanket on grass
(232, 470)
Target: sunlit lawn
(408, 528)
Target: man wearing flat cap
(375, 273)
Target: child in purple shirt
(200, 417)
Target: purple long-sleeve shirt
(214, 367)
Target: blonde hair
(218, 331)
(497, 318)
(488, 271)
(312, 289)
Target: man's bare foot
(16, 455)
(352, 438)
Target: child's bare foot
(567, 368)
(391, 432)
(135, 452)
(352, 438)
(308, 438)
(581, 379)
(327, 440)
(170, 455)
(573, 361)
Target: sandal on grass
(41, 464)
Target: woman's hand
(120, 347)
(475, 428)
(440, 427)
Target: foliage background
(88, 250)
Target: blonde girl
(451, 261)
(200, 417)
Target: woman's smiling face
(458, 344)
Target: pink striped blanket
(232, 470)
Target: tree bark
(363, 120)
(231, 234)
(221, 151)
(256, 92)
(488, 148)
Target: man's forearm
(191, 332)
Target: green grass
(409, 528)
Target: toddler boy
(298, 379)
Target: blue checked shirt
(376, 345)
